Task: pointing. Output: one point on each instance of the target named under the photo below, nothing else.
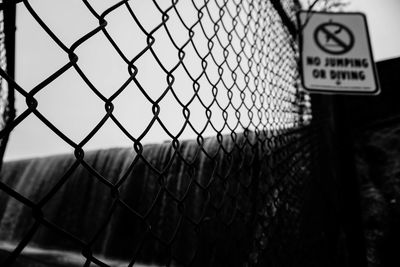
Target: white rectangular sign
(336, 54)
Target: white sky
(384, 25)
(76, 111)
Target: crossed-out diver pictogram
(334, 38)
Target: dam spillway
(186, 204)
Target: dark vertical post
(291, 27)
(324, 212)
(9, 32)
(349, 185)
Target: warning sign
(336, 55)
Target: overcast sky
(384, 25)
(76, 111)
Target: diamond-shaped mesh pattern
(231, 195)
(4, 112)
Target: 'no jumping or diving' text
(338, 69)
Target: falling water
(178, 201)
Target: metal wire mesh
(236, 199)
(3, 85)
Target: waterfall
(183, 203)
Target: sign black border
(376, 91)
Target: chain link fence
(239, 190)
(3, 90)
(5, 106)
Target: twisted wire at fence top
(257, 62)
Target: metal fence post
(9, 13)
(349, 185)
